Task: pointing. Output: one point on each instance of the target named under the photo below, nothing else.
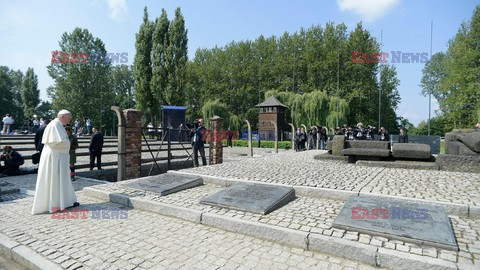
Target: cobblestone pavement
(229, 154)
(316, 216)
(149, 241)
(300, 168)
(29, 182)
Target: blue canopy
(165, 107)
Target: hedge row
(263, 144)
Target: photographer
(12, 160)
(198, 144)
(369, 132)
(360, 132)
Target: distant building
(271, 110)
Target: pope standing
(54, 189)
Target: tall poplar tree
(160, 45)
(143, 68)
(30, 93)
(176, 60)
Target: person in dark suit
(229, 138)
(403, 137)
(39, 136)
(95, 148)
(198, 143)
(384, 136)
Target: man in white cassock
(54, 191)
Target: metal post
(380, 85)
(169, 152)
(430, 94)
(122, 145)
(293, 135)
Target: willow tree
(214, 107)
(337, 112)
(315, 107)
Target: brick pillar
(216, 150)
(133, 134)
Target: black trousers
(98, 155)
(197, 149)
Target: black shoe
(75, 204)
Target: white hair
(63, 112)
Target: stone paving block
(30, 259)
(392, 259)
(271, 233)
(352, 250)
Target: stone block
(367, 152)
(458, 148)
(255, 198)
(411, 151)
(338, 144)
(471, 140)
(457, 163)
(329, 146)
(367, 144)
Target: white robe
(54, 187)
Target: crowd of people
(32, 125)
(13, 160)
(360, 132)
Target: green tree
(82, 88)
(10, 89)
(146, 101)
(453, 77)
(45, 110)
(176, 60)
(212, 108)
(122, 84)
(30, 93)
(390, 98)
(160, 44)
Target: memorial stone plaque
(255, 198)
(166, 183)
(397, 219)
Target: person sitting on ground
(13, 160)
(384, 136)
(403, 137)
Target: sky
(31, 29)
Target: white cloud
(368, 10)
(117, 9)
